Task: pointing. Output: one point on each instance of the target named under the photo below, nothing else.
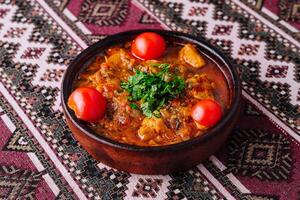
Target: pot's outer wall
(140, 162)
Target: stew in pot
(136, 95)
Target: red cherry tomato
(206, 112)
(148, 45)
(88, 104)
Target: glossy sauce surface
(125, 124)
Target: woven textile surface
(40, 159)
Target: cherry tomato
(88, 104)
(148, 45)
(206, 112)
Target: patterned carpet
(39, 158)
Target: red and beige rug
(39, 158)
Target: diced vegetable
(190, 55)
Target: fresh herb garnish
(153, 90)
(134, 106)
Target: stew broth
(128, 125)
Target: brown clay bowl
(158, 159)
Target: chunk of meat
(200, 87)
(181, 70)
(105, 84)
(152, 128)
(178, 119)
(191, 56)
(100, 77)
(185, 132)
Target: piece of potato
(119, 58)
(152, 128)
(191, 56)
